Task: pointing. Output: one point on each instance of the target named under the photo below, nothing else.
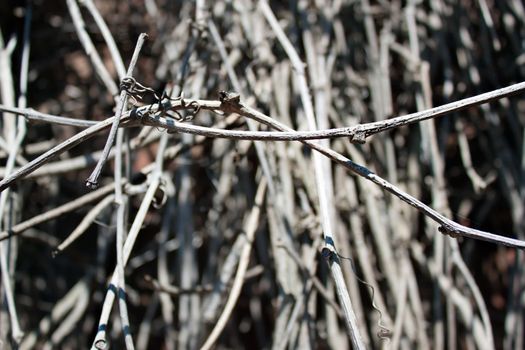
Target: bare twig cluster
(206, 234)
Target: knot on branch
(229, 99)
(358, 137)
(449, 230)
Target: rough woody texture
(304, 174)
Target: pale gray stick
(430, 153)
(55, 151)
(15, 136)
(325, 212)
(100, 341)
(122, 202)
(90, 49)
(85, 223)
(401, 306)
(476, 292)
(363, 253)
(356, 134)
(69, 323)
(108, 37)
(145, 331)
(83, 161)
(250, 227)
(56, 212)
(478, 183)
(461, 302)
(60, 308)
(447, 226)
(92, 181)
(33, 115)
(167, 306)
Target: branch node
(229, 99)
(449, 230)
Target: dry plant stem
(369, 129)
(401, 307)
(16, 331)
(478, 297)
(100, 341)
(326, 212)
(121, 202)
(478, 183)
(277, 224)
(15, 136)
(363, 253)
(90, 49)
(250, 228)
(33, 115)
(447, 226)
(173, 126)
(56, 212)
(55, 151)
(213, 302)
(298, 66)
(92, 181)
(120, 199)
(199, 289)
(316, 282)
(186, 256)
(144, 331)
(189, 309)
(61, 307)
(85, 223)
(167, 306)
(69, 323)
(430, 153)
(461, 303)
(355, 133)
(259, 147)
(83, 161)
(108, 37)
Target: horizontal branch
(33, 115)
(447, 226)
(370, 129)
(152, 115)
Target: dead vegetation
(303, 174)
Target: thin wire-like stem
(32, 115)
(92, 181)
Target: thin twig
(250, 228)
(55, 151)
(92, 180)
(56, 212)
(447, 226)
(31, 114)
